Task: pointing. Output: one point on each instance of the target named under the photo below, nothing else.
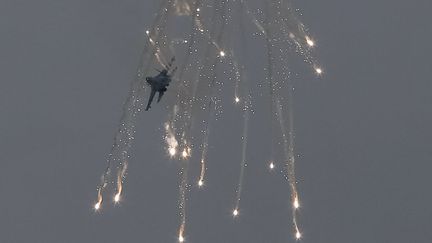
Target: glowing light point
(235, 212)
(181, 238)
(237, 99)
(147, 32)
(198, 10)
(298, 235)
(117, 198)
(310, 42)
(97, 206)
(185, 153)
(271, 165)
(222, 53)
(200, 183)
(172, 152)
(318, 70)
(296, 203)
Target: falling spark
(271, 166)
(298, 235)
(310, 42)
(172, 151)
(184, 154)
(117, 197)
(237, 75)
(243, 163)
(170, 140)
(204, 152)
(120, 175)
(222, 53)
(181, 238)
(318, 70)
(288, 140)
(296, 203)
(100, 199)
(183, 187)
(97, 206)
(203, 168)
(235, 212)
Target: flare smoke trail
(121, 175)
(280, 15)
(134, 103)
(207, 76)
(243, 163)
(288, 145)
(182, 199)
(205, 144)
(270, 75)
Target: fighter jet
(160, 82)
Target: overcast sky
(362, 132)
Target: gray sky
(362, 132)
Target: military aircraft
(160, 82)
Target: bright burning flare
(117, 197)
(170, 140)
(310, 42)
(298, 235)
(237, 99)
(222, 53)
(172, 151)
(100, 199)
(97, 206)
(271, 166)
(120, 184)
(235, 212)
(296, 203)
(181, 238)
(184, 153)
(318, 70)
(200, 183)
